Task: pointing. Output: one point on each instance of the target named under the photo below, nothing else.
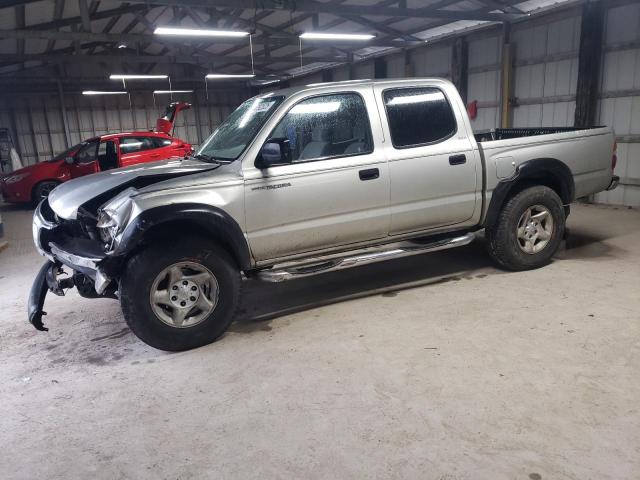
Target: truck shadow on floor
(265, 301)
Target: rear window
(418, 116)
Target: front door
(434, 169)
(85, 160)
(336, 190)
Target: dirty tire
(138, 280)
(502, 237)
(42, 190)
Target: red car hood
(33, 168)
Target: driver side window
(326, 126)
(87, 153)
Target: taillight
(614, 156)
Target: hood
(165, 123)
(30, 168)
(67, 198)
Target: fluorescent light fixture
(336, 36)
(99, 92)
(169, 92)
(199, 32)
(221, 76)
(137, 77)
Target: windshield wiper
(205, 158)
(211, 159)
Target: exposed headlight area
(16, 178)
(113, 217)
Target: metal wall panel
(546, 72)
(431, 61)
(484, 80)
(620, 102)
(396, 66)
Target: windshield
(231, 138)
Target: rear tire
(528, 230)
(178, 298)
(42, 190)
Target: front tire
(528, 230)
(42, 190)
(177, 299)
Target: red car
(34, 182)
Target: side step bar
(308, 267)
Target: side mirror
(276, 151)
(69, 160)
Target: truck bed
(509, 133)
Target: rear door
(432, 163)
(336, 190)
(138, 149)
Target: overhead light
(336, 36)
(136, 77)
(168, 92)
(221, 76)
(122, 45)
(99, 92)
(199, 32)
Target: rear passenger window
(326, 126)
(159, 142)
(135, 144)
(418, 116)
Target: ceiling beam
(160, 59)
(312, 6)
(84, 15)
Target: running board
(314, 266)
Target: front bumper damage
(83, 256)
(615, 180)
(46, 280)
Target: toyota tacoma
(309, 180)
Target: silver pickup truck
(304, 181)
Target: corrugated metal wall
(546, 71)
(38, 129)
(485, 53)
(620, 99)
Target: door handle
(457, 159)
(369, 174)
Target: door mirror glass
(276, 151)
(69, 160)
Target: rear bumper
(615, 180)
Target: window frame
(96, 141)
(329, 157)
(425, 144)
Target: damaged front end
(75, 244)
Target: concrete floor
(433, 367)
